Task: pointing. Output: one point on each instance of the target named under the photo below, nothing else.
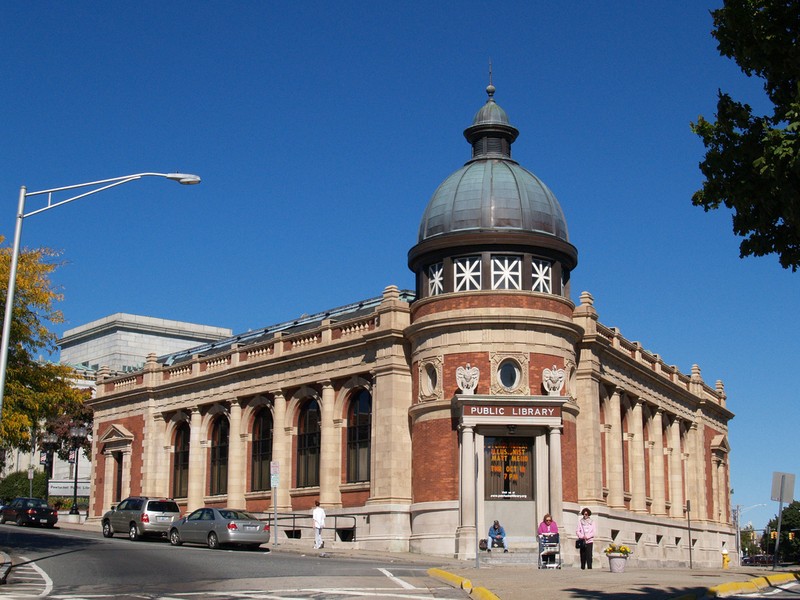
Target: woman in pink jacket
(585, 531)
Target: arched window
(262, 450)
(180, 464)
(220, 434)
(308, 445)
(359, 426)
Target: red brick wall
(494, 300)
(135, 425)
(434, 470)
(357, 499)
(569, 461)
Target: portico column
(556, 487)
(236, 465)
(542, 475)
(638, 483)
(657, 485)
(466, 533)
(329, 463)
(194, 498)
(616, 490)
(280, 450)
(675, 470)
(108, 481)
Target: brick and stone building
(420, 417)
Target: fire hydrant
(726, 560)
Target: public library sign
(509, 410)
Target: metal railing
(344, 526)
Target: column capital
(325, 383)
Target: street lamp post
(78, 434)
(49, 442)
(738, 510)
(103, 184)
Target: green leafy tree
(752, 162)
(36, 391)
(789, 549)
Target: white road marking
(397, 580)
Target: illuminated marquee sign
(510, 410)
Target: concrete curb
(754, 585)
(456, 581)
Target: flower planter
(616, 562)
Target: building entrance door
(508, 491)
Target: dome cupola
(492, 205)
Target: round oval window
(508, 373)
(430, 380)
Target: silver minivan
(140, 516)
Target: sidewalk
(522, 582)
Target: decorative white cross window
(506, 273)
(542, 276)
(436, 279)
(467, 273)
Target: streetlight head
(184, 178)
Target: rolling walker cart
(549, 551)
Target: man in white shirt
(319, 522)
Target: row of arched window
(307, 459)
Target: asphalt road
(68, 564)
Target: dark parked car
(29, 511)
(139, 517)
(219, 526)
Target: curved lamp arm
(103, 184)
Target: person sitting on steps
(497, 537)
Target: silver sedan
(218, 526)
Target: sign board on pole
(783, 487)
(274, 467)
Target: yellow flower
(618, 549)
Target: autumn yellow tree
(37, 391)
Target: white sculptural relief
(553, 380)
(467, 378)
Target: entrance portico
(510, 465)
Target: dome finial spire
(490, 87)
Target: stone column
(108, 481)
(542, 475)
(616, 489)
(329, 463)
(696, 472)
(237, 470)
(197, 463)
(657, 484)
(638, 478)
(556, 477)
(281, 450)
(466, 532)
(163, 453)
(724, 491)
(675, 470)
(715, 488)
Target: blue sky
(321, 129)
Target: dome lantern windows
(506, 273)
(467, 273)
